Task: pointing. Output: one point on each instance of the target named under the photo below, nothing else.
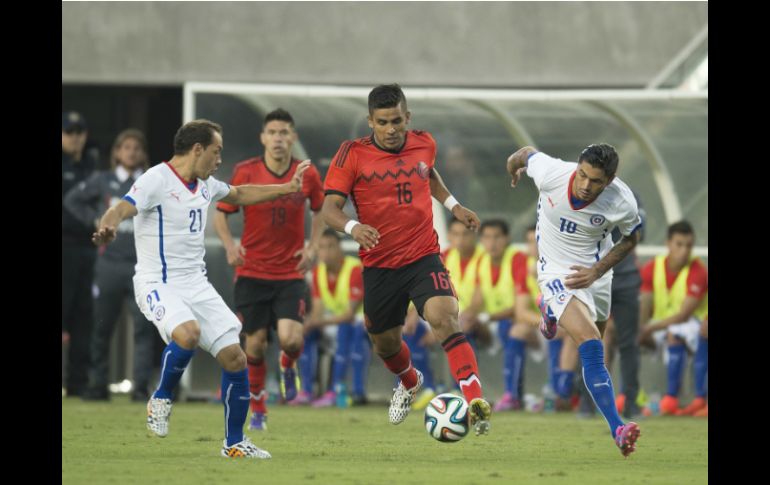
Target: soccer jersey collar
(374, 142)
(274, 174)
(191, 186)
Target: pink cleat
(325, 401)
(303, 398)
(626, 436)
(507, 403)
(549, 324)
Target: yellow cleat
(480, 412)
(422, 400)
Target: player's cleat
(158, 413)
(328, 400)
(258, 422)
(696, 405)
(401, 402)
(507, 403)
(244, 449)
(548, 323)
(669, 405)
(303, 398)
(626, 436)
(289, 382)
(480, 412)
(421, 402)
(702, 413)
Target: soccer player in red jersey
(390, 177)
(270, 289)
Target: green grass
(106, 443)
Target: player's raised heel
(480, 411)
(401, 402)
(158, 413)
(626, 436)
(549, 324)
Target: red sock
(401, 365)
(462, 363)
(288, 358)
(257, 371)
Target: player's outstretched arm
(334, 217)
(517, 163)
(440, 192)
(254, 194)
(109, 222)
(584, 277)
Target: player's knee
(443, 320)
(292, 344)
(187, 336)
(236, 363)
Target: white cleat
(158, 412)
(244, 449)
(402, 399)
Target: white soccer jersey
(568, 236)
(169, 229)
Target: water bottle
(341, 395)
(654, 404)
(549, 399)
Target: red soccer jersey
(697, 280)
(356, 283)
(391, 192)
(273, 231)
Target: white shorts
(688, 331)
(170, 304)
(596, 297)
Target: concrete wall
(511, 44)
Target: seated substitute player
(390, 176)
(170, 203)
(673, 305)
(578, 206)
(338, 293)
(502, 279)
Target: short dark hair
(386, 96)
(681, 227)
(329, 232)
(278, 114)
(192, 132)
(499, 223)
(533, 227)
(602, 156)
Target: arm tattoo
(616, 254)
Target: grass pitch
(106, 443)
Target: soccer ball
(446, 418)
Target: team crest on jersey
(160, 310)
(205, 192)
(561, 298)
(422, 170)
(597, 219)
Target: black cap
(71, 120)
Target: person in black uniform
(78, 254)
(115, 266)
